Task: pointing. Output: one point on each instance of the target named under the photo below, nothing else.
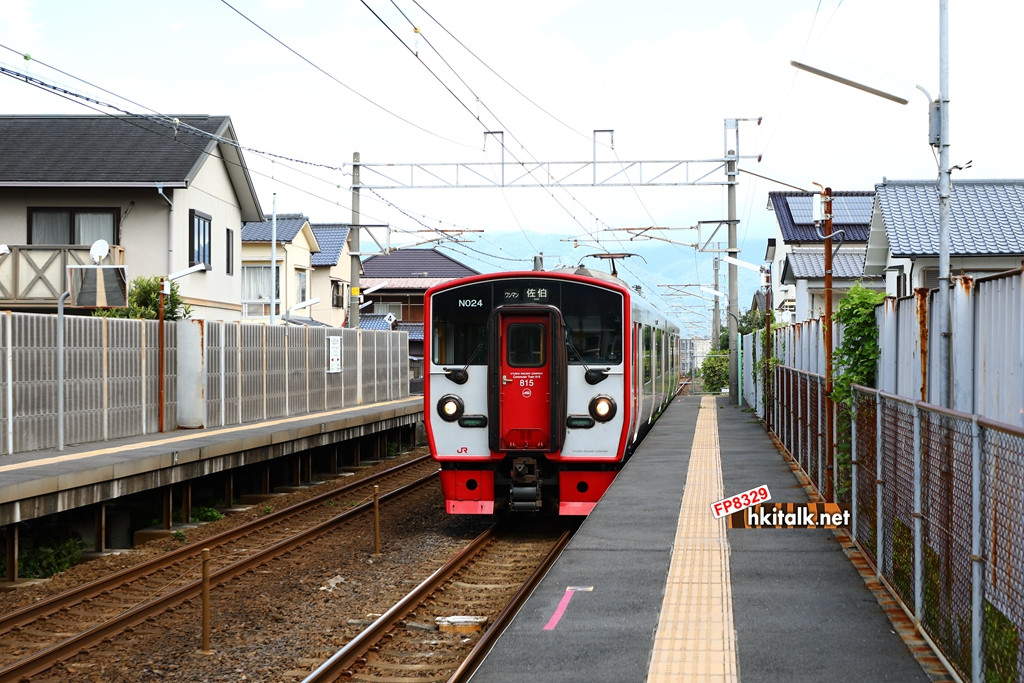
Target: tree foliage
(856, 356)
(752, 320)
(144, 302)
(714, 371)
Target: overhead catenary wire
(337, 80)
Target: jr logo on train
(539, 386)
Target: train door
(525, 387)
(528, 369)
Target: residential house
(163, 194)
(291, 260)
(332, 268)
(986, 231)
(395, 282)
(797, 253)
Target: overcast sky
(317, 80)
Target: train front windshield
(592, 315)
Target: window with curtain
(257, 285)
(68, 225)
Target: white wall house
(165, 194)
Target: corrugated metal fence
(934, 491)
(252, 372)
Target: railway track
(429, 635)
(40, 635)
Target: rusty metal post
(769, 394)
(160, 359)
(206, 602)
(830, 468)
(376, 520)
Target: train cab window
(459, 326)
(525, 346)
(593, 325)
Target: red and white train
(539, 385)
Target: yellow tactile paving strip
(696, 639)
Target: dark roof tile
(414, 263)
(116, 150)
(331, 237)
(985, 216)
(288, 226)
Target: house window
(229, 251)
(67, 225)
(388, 307)
(199, 238)
(339, 292)
(257, 285)
(301, 280)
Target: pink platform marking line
(563, 604)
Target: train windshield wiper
(592, 375)
(460, 376)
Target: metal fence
(251, 371)
(934, 495)
(943, 525)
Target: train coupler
(525, 492)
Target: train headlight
(450, 408)
(602, 408)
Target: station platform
(44, 482)
(654, 588)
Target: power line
(336, 80)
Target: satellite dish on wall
(99, 250)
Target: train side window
(525, 346)
(647, 354)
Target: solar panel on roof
(845, 209)
(800, 208)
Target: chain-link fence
(935, 499)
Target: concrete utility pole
(353, 238)
(734, 289)
(716, 322)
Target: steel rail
(74, 596)
(44, 659)
(504, 618)
(341, 662)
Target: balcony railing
(36, 275)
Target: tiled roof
(986, 217)
(121, 151)
(288, 226)
(331, 237)
(415, 330)
(851, 212)
(115, 150)
(809, 264)
(376, 321)
(414, 263)
(392, 284)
